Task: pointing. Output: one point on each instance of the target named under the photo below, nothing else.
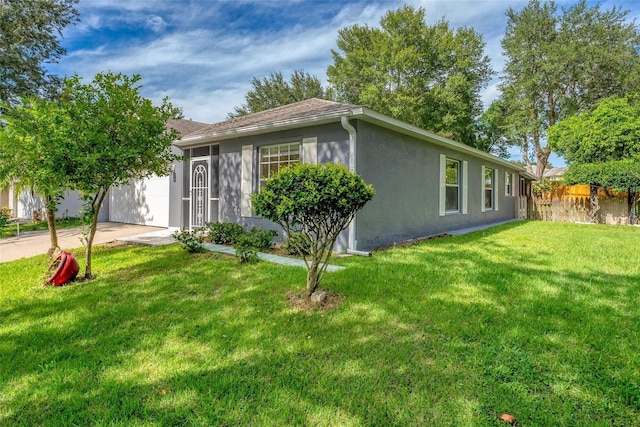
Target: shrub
(192, 241)
(245, 249)
(297, 244)
(260, 238)
(5, 215)
(318, 201)
(224, 233)
(251, 242)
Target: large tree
(490, 135)
(29, 38)
(428, 76)
(33, 153)
(602, 147)
(562, 62)
(118, 135)
(275, 91)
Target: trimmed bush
(224, 233)
(253, 241)
(318, 201)
(191, 241)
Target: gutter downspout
(353, 137)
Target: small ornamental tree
(316, 201)
(118, 135)
(33, 156)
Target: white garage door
(144, 202)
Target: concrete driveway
(33, 243)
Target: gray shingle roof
(298, 110)
(185, 126)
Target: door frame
(207, 202)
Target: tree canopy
(602, 147)
(610, 132)
(560, 63)
(117, 135)
(428, 76)
(33, 152)
(275, 91)
(29, 38)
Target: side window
(508, 184)
(272, 158)
(489, 188)
(452, 182)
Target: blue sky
(202, 54)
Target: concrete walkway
(276, 259)
(33, 243)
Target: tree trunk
(312, 278)
(95, 209)
(631, 198)
(51, 223)
(594, 203)
(89, 242)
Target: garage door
(144, 202)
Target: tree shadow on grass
(452, 332)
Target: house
(142, 201)
(425, 184)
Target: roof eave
(214, 136)
(359, 113)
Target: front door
(200, 194)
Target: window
(489, 183)
(453, 186)
(452, 181)
(508, 184)
(272, 158)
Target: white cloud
(156, 23)
(203, 58)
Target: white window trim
(494, 190)
(443, 187)
(508, 189)
(277, 161)
(465, 190)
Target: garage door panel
(144, 202)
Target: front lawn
(538, 320)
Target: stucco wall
(404, 172)
(332, 145)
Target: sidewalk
(33, 243)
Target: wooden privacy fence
(572, 203)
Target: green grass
(539, 320)
(11, 230)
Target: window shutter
(482, 208)
(443, 183)
(496, 186)
(465, 186)
(246, 183)
(506, 187)
(310, 150)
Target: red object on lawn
(508, 418)
(67, 270)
